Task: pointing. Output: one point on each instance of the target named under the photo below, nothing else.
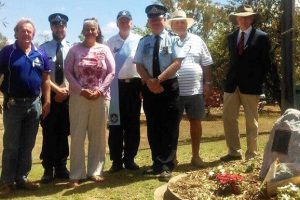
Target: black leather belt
(22, 99)
(129, 80)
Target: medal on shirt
(165, 50)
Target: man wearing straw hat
(249, 57)
(194, 78)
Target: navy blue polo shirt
(22, 73)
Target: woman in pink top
(89, 69)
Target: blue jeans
(21, 122)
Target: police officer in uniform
(158, 58)
(56, 126)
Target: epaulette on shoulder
(172, 33)
(145, 36)
(46, 42)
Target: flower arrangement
(229, 183)
(289, 191)
(219, 170)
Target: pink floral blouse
(89, 68)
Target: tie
(240, 45)
(59, 74)
(155, 66)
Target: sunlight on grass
(127, 185)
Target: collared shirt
(246, 35)
(128, 69)
(89, 68)
(168, 51)
(50, 49)
(190, 74)
(22, 73)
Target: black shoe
(165, 175)
(27, 185)
(131, 166)
(115, 167)
(6, 190)
(151, 172)
(62, 173)
(48, 176)
(228, 158)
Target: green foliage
(80, 37)
(213, 26)
(3, 41)
(140, 31)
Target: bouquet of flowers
(229, 183)
(289, 191)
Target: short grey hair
(20, 23)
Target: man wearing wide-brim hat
(194, 78)
(249, 61)
(179, 15)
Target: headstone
(284, 141)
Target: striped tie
(240, 45)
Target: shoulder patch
(172, 33)
(45, 43)
(145, 36)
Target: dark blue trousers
(124, 139)
(56, 128)
(162, 113)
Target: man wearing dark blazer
(249, 55)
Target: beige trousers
(232, 103)
(87, 117)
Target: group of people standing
(92, 83)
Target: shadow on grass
(118, 179)
(187, 167)
(60, 188)
(214, 139)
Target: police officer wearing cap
(125, 103)
(56, 126)
(158, 58)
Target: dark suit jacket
(248, 71)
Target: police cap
(58, 19)
(124, 13)
(155, 10)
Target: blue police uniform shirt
(50, 49)
(168, 51)
(22, 73)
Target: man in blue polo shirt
(26, 73)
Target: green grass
(127, 185)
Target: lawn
(133, 185)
